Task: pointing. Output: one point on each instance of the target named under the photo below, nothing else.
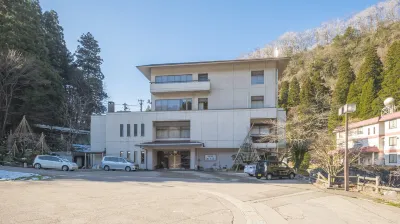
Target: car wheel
(291, 176)
(269, 176)
(64, 168)
(127, 169)
(106, 168)
(258, 177)
(37, 166)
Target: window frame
(202, 75)
(203, 101)
(142, 157)
(160, 79)
(394, 142)
(392, 156)
(121, 130)
(393, 124)
(128, 130)
(360, 131)
(142, 130)
(135, 130)
(167, 104)
(257, 99)
(256, 78)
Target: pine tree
(368, 95)
(283, 94)
(371, 68)
(294, 93)
(307, 93)
(89, 61)
(391, 74)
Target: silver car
(116, 163)
(250, 169)
(53, 162)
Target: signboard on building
(210, 157)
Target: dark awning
(157, 144)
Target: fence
(361, 182)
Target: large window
(135, 130)
(392, 141)
(142, 130)
(257, 77)
(260, 130)
(257, 101)
(174, 104)
(121, 130)
(128, 130)
(172, 132)
(203, 77)
(174, 78)
(203, 103)
(392, 124)
(392, 158)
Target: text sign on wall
(210, 157)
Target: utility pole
(140, 101)
(125, 107)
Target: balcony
(170, 87)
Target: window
(128, 130)
(257, 101)
(134, 156)
(172, 132)
(173, 104)
(142, 130)
(203, 103)
(260, 130)
(392, 158)
(203, 77)
(135, 130)
(121, 160)
(121, 130)
(174, 78)
(374, 130)
(359, 131)
(392, 124)
(121, 153)
(392, 141)
(257, 77)
(368, 131)
(142, 157)
(128, 155)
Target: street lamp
(346, 109)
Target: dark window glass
(121, 130)
(142, 130)
(164, 105)
(142, 157)
(392, 158)
(171, 78)
(173, 104)
(128, 130)
(135, 130)
(189, 78)
(158, 79)
(203, 77)
(203, 103)
(257, 77)
(257, 101)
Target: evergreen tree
(59, 55)
(371, 68)
(283, 94)
(307, 93)
(294, 93)
(89, 61)
(367, 98)
(391, 74)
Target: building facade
(377, 138)
(201, 112)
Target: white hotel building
(200, 114)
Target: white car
(116, 163)
(250, 169)
(53, 162)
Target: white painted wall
(98, 133)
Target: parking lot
(178, 197)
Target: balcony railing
(188, 86)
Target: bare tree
(16, 71)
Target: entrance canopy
(172, 144)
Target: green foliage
(371, 68)
(368, 95)
(306, 93)
(306, 161)
(284, 94)
(294, 93)
(391, 74)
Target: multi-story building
(201, 112)
(377, 138)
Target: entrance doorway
(173, 159)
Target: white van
(53, 162)
(116, 163)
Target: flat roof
(146, 69)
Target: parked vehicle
(116, 163)
(270, 169)
(53, 162)
(250, 169)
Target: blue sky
(132, 32)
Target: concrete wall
(224, 157)
(98, 133)
(230, 84)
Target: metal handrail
(180, 81)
